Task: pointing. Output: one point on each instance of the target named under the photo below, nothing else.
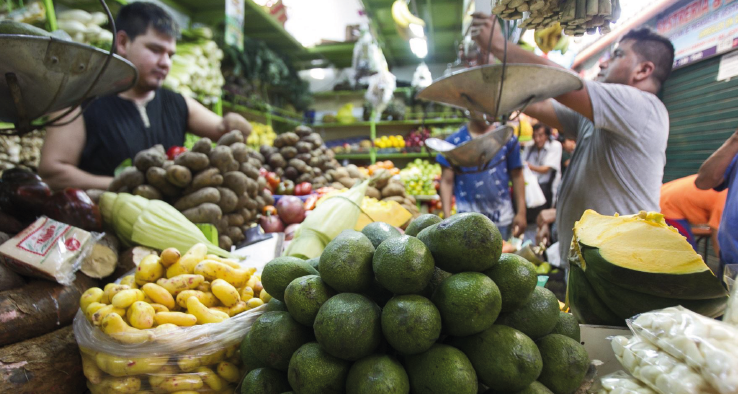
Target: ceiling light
(417, 30)
(419, 47)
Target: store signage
(234, 22)
(701, 29)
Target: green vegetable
(332, 216)
(152, 223)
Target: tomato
(272, 179)
(303, 189)
(310, 202)
(175, 151)
(286, 188)
(269, 210)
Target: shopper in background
(684, 206)
(84, 153)
(568, 145)
(487, 192)
(620, 125)
(543, 157)
(719, 172)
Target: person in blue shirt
(719, 172)
(487, 192)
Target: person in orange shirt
(684, 205)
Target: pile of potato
(390, 188)
(167, 294)
(220, 185)
(300, 156)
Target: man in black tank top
(84, 153)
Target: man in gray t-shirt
(620, 126)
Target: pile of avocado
(437, 310)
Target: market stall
(313, 256)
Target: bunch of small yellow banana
(552, 39)
(404, 18)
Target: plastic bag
(381, 90)
(730, 276)
(709, 346)
(422, 77)
(48, 249)
(534, 196)
(657, 369)
(622, 383)
(120, 355)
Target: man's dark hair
(136, 18)
(659, 50)
(545, 128)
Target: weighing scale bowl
(475, 153)
(53, 74)
(477, 88)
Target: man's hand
(484, 28)
(543, 234)
(519, 224)
(546, 217)
(234, 121)
(712, 171)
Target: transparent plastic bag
(49, 249)
(622, 383)
(709, 346)
(176, 354)
(730, 276)
(657, 369)
(203, 358)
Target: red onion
(271, 224)
(289, 232)
(290, 209)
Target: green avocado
(421, 222)
(469, 303)
(516, 277)
(565, 362)
(279, 272)
(313, 371)
(567, 325)
(346, 262)
(441, 369)
(304, 296)
(348, 326)
(377, 374)
(275, 305)
(275, 336)
(264, 381)
(537, 317)
(403, 265)
(378, 232)
(463, 242)
(411, 324)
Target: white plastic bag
(730, 277)
(708, 346)
(621, 383)
(657, 369)
(534, 196)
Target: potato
(91, 371)
(128, 366)
(303, 131)
(121, 385)
(228, 200)
(110, 290)
(254, 303)
(220, 157)
(152, 157)
(398, 199)
(204, 213)
(304, 178)
(303, 147)
(233, 165)
(91, 309)
(230, 138)
(93, 294)
(236, 181)
(340, 173)
(206, 178)
(234, 219)
(182, 383)
(289, 139)
(206, 194)
(252, 187)
(225, 292)
(149, 270)
(260, 204)
(212, 270)
(246, 215)
(113, 325)
(256, 156)
(179, 319)
(178, 175)
(203, 145)
(203, 314)
(394, 189)
(126, 298)
(169, 256)
(141, 315)
(206, 297)
(157, 177)
(222, 225)
(179, 283)
(240, 152)
(211, 379)
(159, 295)
(159, 307)
(288, 152)
(148, 192)
(267, 196)
(235, 233)
(193, 160)
(228, 371)
(277, 161)
(250, 171)
(347, 182)
(129, 178)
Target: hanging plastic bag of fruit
(422, 77)
(381, 90)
